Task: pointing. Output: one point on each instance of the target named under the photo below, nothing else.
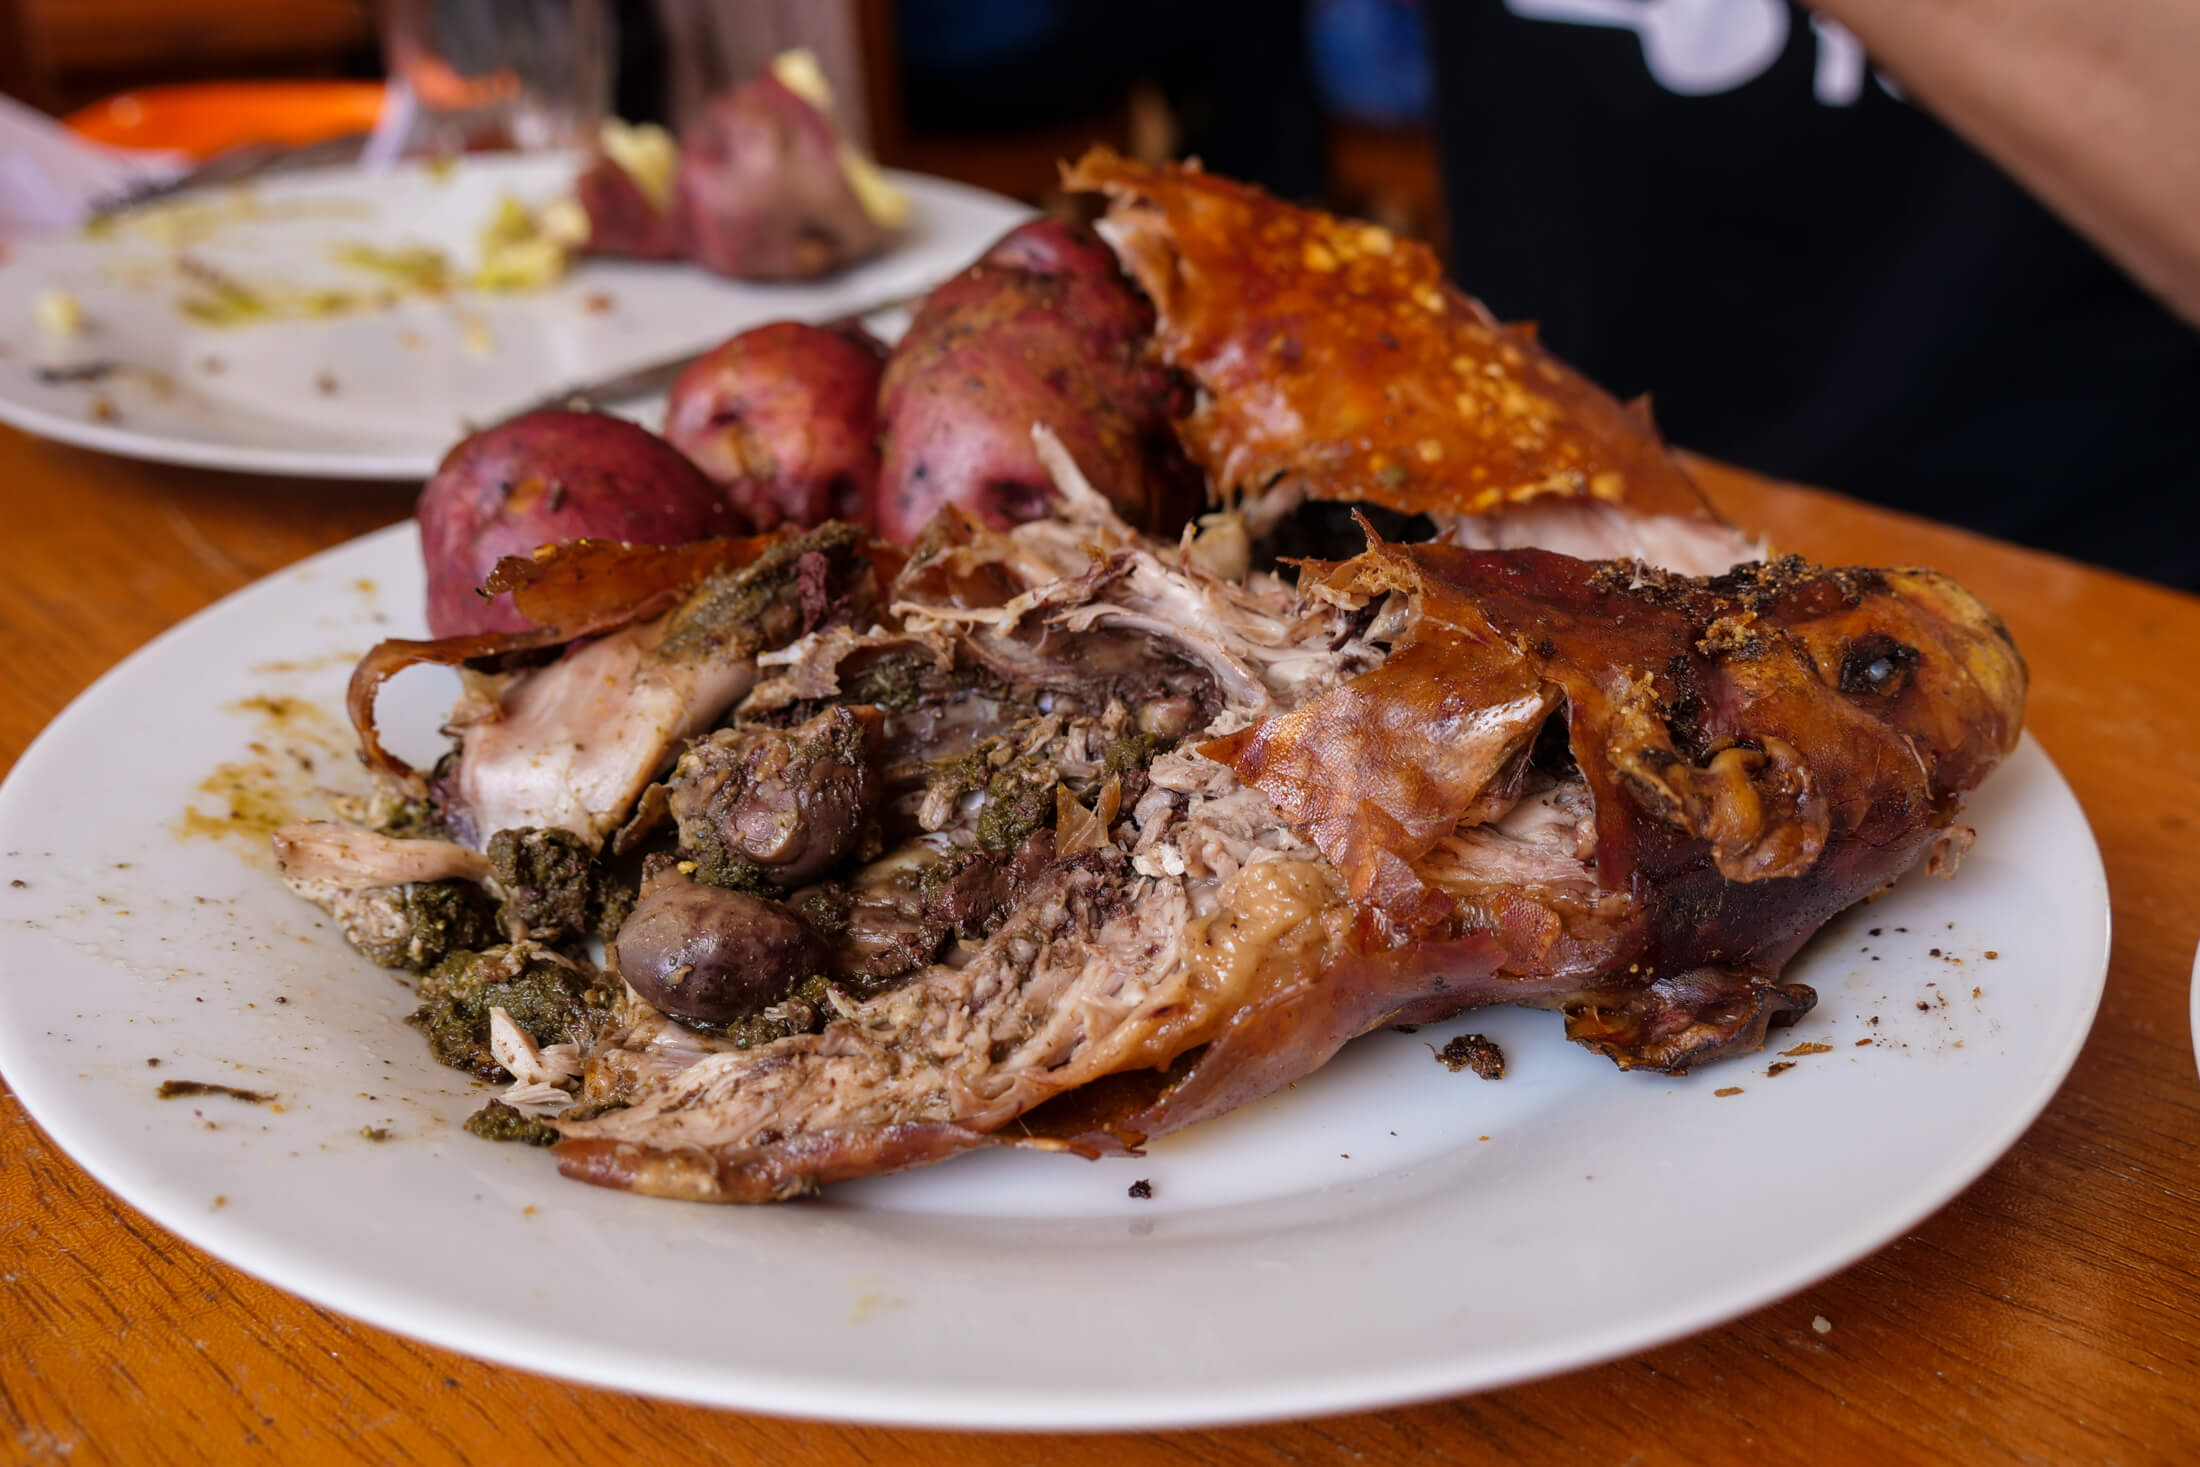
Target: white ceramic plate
(383, 393)
(1384, 1232)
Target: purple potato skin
(761, 194)
(621, 219)
(784, 418)
(549, 476)
(1045, 328)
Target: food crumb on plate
(1142, 1189)
(1778, 1067)
(1807, 1047)
(58, 313)
(1476, 1052)
(1726, 1090)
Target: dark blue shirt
(1725, 206)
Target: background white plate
(1383, 1232)
(406, 384)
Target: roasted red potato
(549, 476)
(764, 191)
(1044, 328)
(621, 219)
(626, 192)
(784, 418)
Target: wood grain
(2049, 1315)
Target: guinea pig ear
(1756, 804)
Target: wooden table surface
(2051, 1314)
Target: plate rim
(1011, 1405)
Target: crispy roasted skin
(1427, 778)
(1336, 362)
(1731, 762)
(1762, 749)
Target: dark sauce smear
(178, 1089)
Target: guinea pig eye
(1877, 666)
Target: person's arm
(2093, 105)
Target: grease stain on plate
(294, 753)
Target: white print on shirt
(1695, 48)
(1839, 80)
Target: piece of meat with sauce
(783, 806)
(404, 903)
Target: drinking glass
(470, 74)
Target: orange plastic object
(205, 118)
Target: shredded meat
(1105, 836)
(347, 858)
(1238, 924)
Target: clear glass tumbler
(477, 74)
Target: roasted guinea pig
(1335, 363)
(1099, 834)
